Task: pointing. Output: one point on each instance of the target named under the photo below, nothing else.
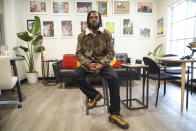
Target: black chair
(171, 67)
(123, 57)
(190, 80)
(155, 73)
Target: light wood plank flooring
(48, 108)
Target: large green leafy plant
(33, 45)
(156, 52)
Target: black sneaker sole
(119, 125)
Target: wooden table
(183, 72)
(128, 101)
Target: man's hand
(95, 67)
(99, 66)
(92, 66)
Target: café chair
(171, 67)
(190, 80)
(156, 73)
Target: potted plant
(33, 45)
(156, 52)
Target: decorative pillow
(78, 64)
(116, 63)
(69, 62)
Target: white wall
(163, 10)
(17, 12)
(13, 18)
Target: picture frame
(30, 24)
(127, 27)
(37, 6)
(112, 26)
(160, 26)
(102, 7)
(83, 26)
(48, 29)
(66, 28)
(145, 7)
(83, 7)
(60, 7)
(145, 31)
(121, 7)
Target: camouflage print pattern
(98, 48)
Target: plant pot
(32, 78)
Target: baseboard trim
(39, 78)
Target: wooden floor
(48, 108)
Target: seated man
(94, 52)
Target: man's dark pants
(79, 76)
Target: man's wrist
(101, 62)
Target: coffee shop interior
(154, 43)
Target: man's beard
(94, 25)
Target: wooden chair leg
(62, 85)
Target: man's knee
(113, 76)
(78, 74)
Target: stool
(105, 94)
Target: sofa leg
(62, 85)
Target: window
(182, 27)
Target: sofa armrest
(57, 68)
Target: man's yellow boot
(93, 102)
(119, 121)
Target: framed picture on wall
(48, 29)
(111, 26)
(83, 26)
(66, 28)
(144, 7)
(144, 31)
(102, 7)
(121, 7)
(83, 7)
(37, 6)
(30, 24)
(160, 26)
(127, 27)
(60, 7)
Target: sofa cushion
(66, 72)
